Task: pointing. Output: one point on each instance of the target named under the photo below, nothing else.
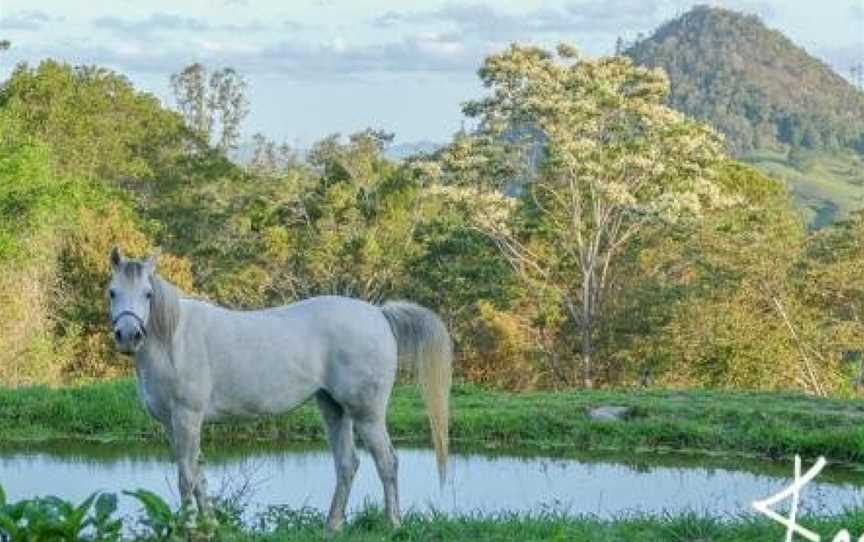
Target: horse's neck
(155, 356)
(155, 374)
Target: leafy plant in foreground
(159, 519)
(107, 527)
(165, 525)
(52, 518)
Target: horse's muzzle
(128, 337)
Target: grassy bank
(771, 425)
(371, 527)
(97, 520)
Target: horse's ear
(116, 258)
(151, 261)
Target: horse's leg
(373, 430)
(200, 491)
(340, 433)
(186, 441)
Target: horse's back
(339, 322)
(271, 360)
(358, 347)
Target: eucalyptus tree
(211, 100)
(228, 103)
(615, 159)
(270, 158)
(190, 96)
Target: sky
(316, 67)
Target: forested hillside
(652, 259)
(780, 108)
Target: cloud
(578, 17)
(252, 26)
(857, 11)
(607, 15)
(26, 20)
(155, 22)
(421, 53)
(478, 19)
(425, 52)
(169, 22)
(484, 21)
(451, 39)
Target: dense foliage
(639, 253)
(96, 123)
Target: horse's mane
(164, 309)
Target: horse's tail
(422, 337)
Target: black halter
(133, 315)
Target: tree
(190, 96)
(210, 100)
(616, 159)
(98, 125)
(268, 158)
(736, 317)
(834, 285)
(227, 102)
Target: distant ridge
(401, 151)
(753, 83)
(781, 109)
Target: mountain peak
(752, 83)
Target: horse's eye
(149, 295)
(112, 293)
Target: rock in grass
(610, 413)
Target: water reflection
(601, 484)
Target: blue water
(598, 485)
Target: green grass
(370, 526)
(826, 186)
(762, 424)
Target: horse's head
(130, 293)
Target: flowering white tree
(614, 159)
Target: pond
(605, 485)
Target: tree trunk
(587, 332)
(583, 319)
(587, 369)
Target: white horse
(198, 362)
